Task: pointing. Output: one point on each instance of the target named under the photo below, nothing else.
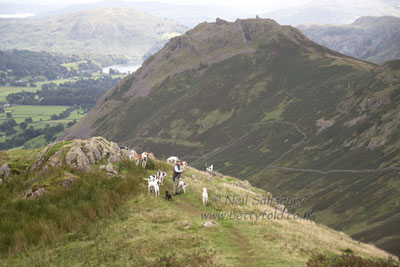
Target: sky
(293, 12)
(248, 4)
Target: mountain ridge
(116, 31)
(373, 39)
(277, 100)
(141, 87)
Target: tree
(10, 131)
(2, 110)
(49, 135)
(23, 125)
(11, 122)
(59, 127)
(54, 117)
(28, 120)
(9, 115)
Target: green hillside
(89, 218)
(121, 32)
(263, 103)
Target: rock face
(80, 154)
(34, 193)
(5, 170)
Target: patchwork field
(41, 119)
(6, 90)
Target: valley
(38, 102)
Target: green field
(37, 113)
(41, 117)
(6, 90)
(73, 65)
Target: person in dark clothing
(176, 175)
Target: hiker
(176, 175)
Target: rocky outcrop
(76, 159)
(323, 124)
(5, 170)
(69, 179)
(80, 154)
(209, 224)
(356, 120)
(109, 168)
(34, 193)
(370, 103)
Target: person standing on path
(176, 175)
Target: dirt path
(335, 171)
(237, 241)
(241, 244)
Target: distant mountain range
(190, 14)
(118, 31)
(336, 12)
(263, 102)
(375, 39)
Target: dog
(168, 196)
(142, 158)
(161, 175)
(205, 196)
(151, 178)
(156, 185)
(184, 164)
(144, 162)
(183, 185)
(151, 155)
(138, 159)
(210, 170)
(172, 160)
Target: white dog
(210, 169)
(156, 186)
(184, 164)
(144, 159)
(205, 196)
(172, 160)
(183, 185)
(151, 178)
(161, 175)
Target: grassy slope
(146, 230)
